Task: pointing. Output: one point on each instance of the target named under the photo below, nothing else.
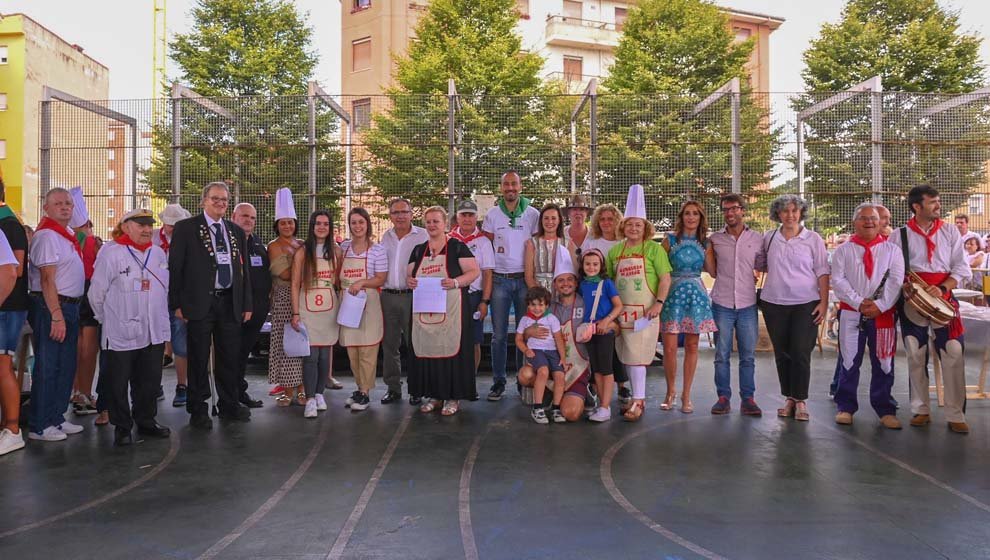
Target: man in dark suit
(256, 259)
(211, 291)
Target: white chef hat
(285, 208)
(635, 203)
(80, 215)
(562, 263)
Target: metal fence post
(876, 138)
(311, 178)
(46, 144)
(736, 137)
(176, 143)
(451, 140)
(593, 156)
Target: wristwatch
(660, 301)
(486, 301)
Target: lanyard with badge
(143, 284)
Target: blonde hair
(648, 231)
(596, 230)
(439, 209)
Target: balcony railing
(582, 33)
(575, 83)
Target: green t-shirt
(653, 255)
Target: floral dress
(688, 308)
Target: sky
(118, 33)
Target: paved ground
(489, 483)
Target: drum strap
(904, 250)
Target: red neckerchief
(535, 318)
(867, 253)
(48, 223)
(465, 239)
(912, 224)
(126, 240)
(164, 240)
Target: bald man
(246, 217)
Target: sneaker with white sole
(9, 441)
(557, 416)
(539, 416)
(361, 401)
(321, 403)
(350, 399)
(70, 428)
(310, 410)
(602, 414)
(51, 433)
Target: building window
(620, 17)
(3, 101)
(572, 9)
(109, 192)
(110, 155)
(742, 33)
(976, 204)
(110, 174)
(361, 54)
(3, 54)
(109, 212)
(573, 68)
(3, 149)
(361, 4)
(362, 113)
(522, 7)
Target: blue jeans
(746, 326)
(506, 293)
(54, 364)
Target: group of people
(591, 300)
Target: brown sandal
(788, 410)
(635, 411)
(429, 406)
(450, 408)
(801, 411)
(283, 399)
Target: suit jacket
(193, 270)
(261, 279)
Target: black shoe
(415, 401)
(180, 396)
(154, 430)
(161, 393)
(201, 421)
(166, 361)
(122, 437)
(239, 414)
(391, 397)
(497, 389)
(247, 401)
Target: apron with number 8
(635, 348)
(372, 327)
(318, 307)
(437, 335)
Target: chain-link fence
(835, 149)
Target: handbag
(766, 251)
(586, 330)
(295, 343)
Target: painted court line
(464, 500)
(275, 498)
(173, 450)
(345, 533)
(605, 471)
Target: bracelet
(295, 314)
(486, 301)
(660, 301)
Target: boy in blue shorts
(543, 354)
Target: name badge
(223, 258)
(256, 260)
(142, 285)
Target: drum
(935, 309)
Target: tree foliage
(672, 54)
(921, 55)
(253, 59)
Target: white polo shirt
(48, 248)
(510, 242)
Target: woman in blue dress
(688, 309)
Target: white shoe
(601, 414)
(70, 428)
(321, 403)
(51, 433)
(311, 407)
(9, 441)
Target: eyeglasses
(400, 212)
(731, 209)
(868, 219)
(219, 198)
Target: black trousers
(220, 328)
(793, 333)
(249, 336)
(142, 370)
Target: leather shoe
(247, 401)
(122, 437)
(919, 420)
(154, 430)
(890, 422)
(959, 427)
(201, 421)
(239, 414)
(391, 397)
(844, 418)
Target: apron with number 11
(635, 348)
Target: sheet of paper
(351, 309)
(641, 323)
(429, 296)
(295, 344)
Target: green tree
(500, 122)
(918, 49)
(672, 54)
(252, 58)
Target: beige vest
(318, 306)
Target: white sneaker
(10, 441)
(70, 428)
(602, 414)
(321, 403)
(51, 433)
(310, 411)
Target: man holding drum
(933, 251)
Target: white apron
(318, 307)
(635, 348)
(372, 327)
(572, 354)
(437, 335)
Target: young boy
(543, 354)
